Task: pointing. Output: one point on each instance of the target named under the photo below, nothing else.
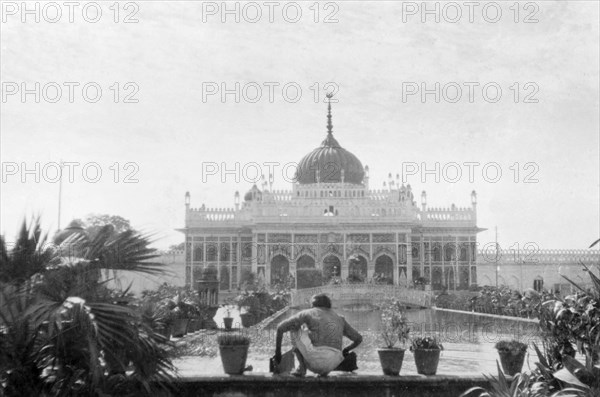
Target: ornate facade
(331, 224)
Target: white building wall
(547, 265)
(174, 274)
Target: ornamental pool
(468, 341)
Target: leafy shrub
(568, 322)
(261, 303)
(426, 343)
(394, 327)
(355, 278)
(248, 279)
(308, 278)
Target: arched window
(198, 252)
(332, 267)
(306, 274)
(437, 253)
(280, 269)
(305, 262)
(357, 270)
(211, 252)
(384, 270)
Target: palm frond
(27, 257)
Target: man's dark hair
(321, 300)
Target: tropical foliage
(62, 331)
(569, 325)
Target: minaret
(329, 139)
(187, 207)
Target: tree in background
(177, 247)
(94, 222)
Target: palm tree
(63, 331)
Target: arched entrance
(305, 262)
(332, 267)
(306, 274)
(280, 269)
(384, 270)
(357, 269)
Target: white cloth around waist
(318, 359)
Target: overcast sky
(179, 50)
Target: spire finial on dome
(329, 125)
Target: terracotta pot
(228, 322)
(391, 360)
(248, 320)
(234, 358)
(165, 331)
(180, 327)
(194, 325)
(512, 362)
(427, 360)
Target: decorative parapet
(567, 256)
(277, 195)
(447, 214)
(378, 206)
(381, 194)
(212, 214)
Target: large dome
(327, 163)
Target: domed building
(332, 225)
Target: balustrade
(374, 293)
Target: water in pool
(468, 341)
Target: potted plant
(427, 354)
(512, 355)
(228, 320)
(179, 322)
(233, 349)
(393, 329)
(178, 315)
(194, 324)
(155, 316)
(248, 319)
